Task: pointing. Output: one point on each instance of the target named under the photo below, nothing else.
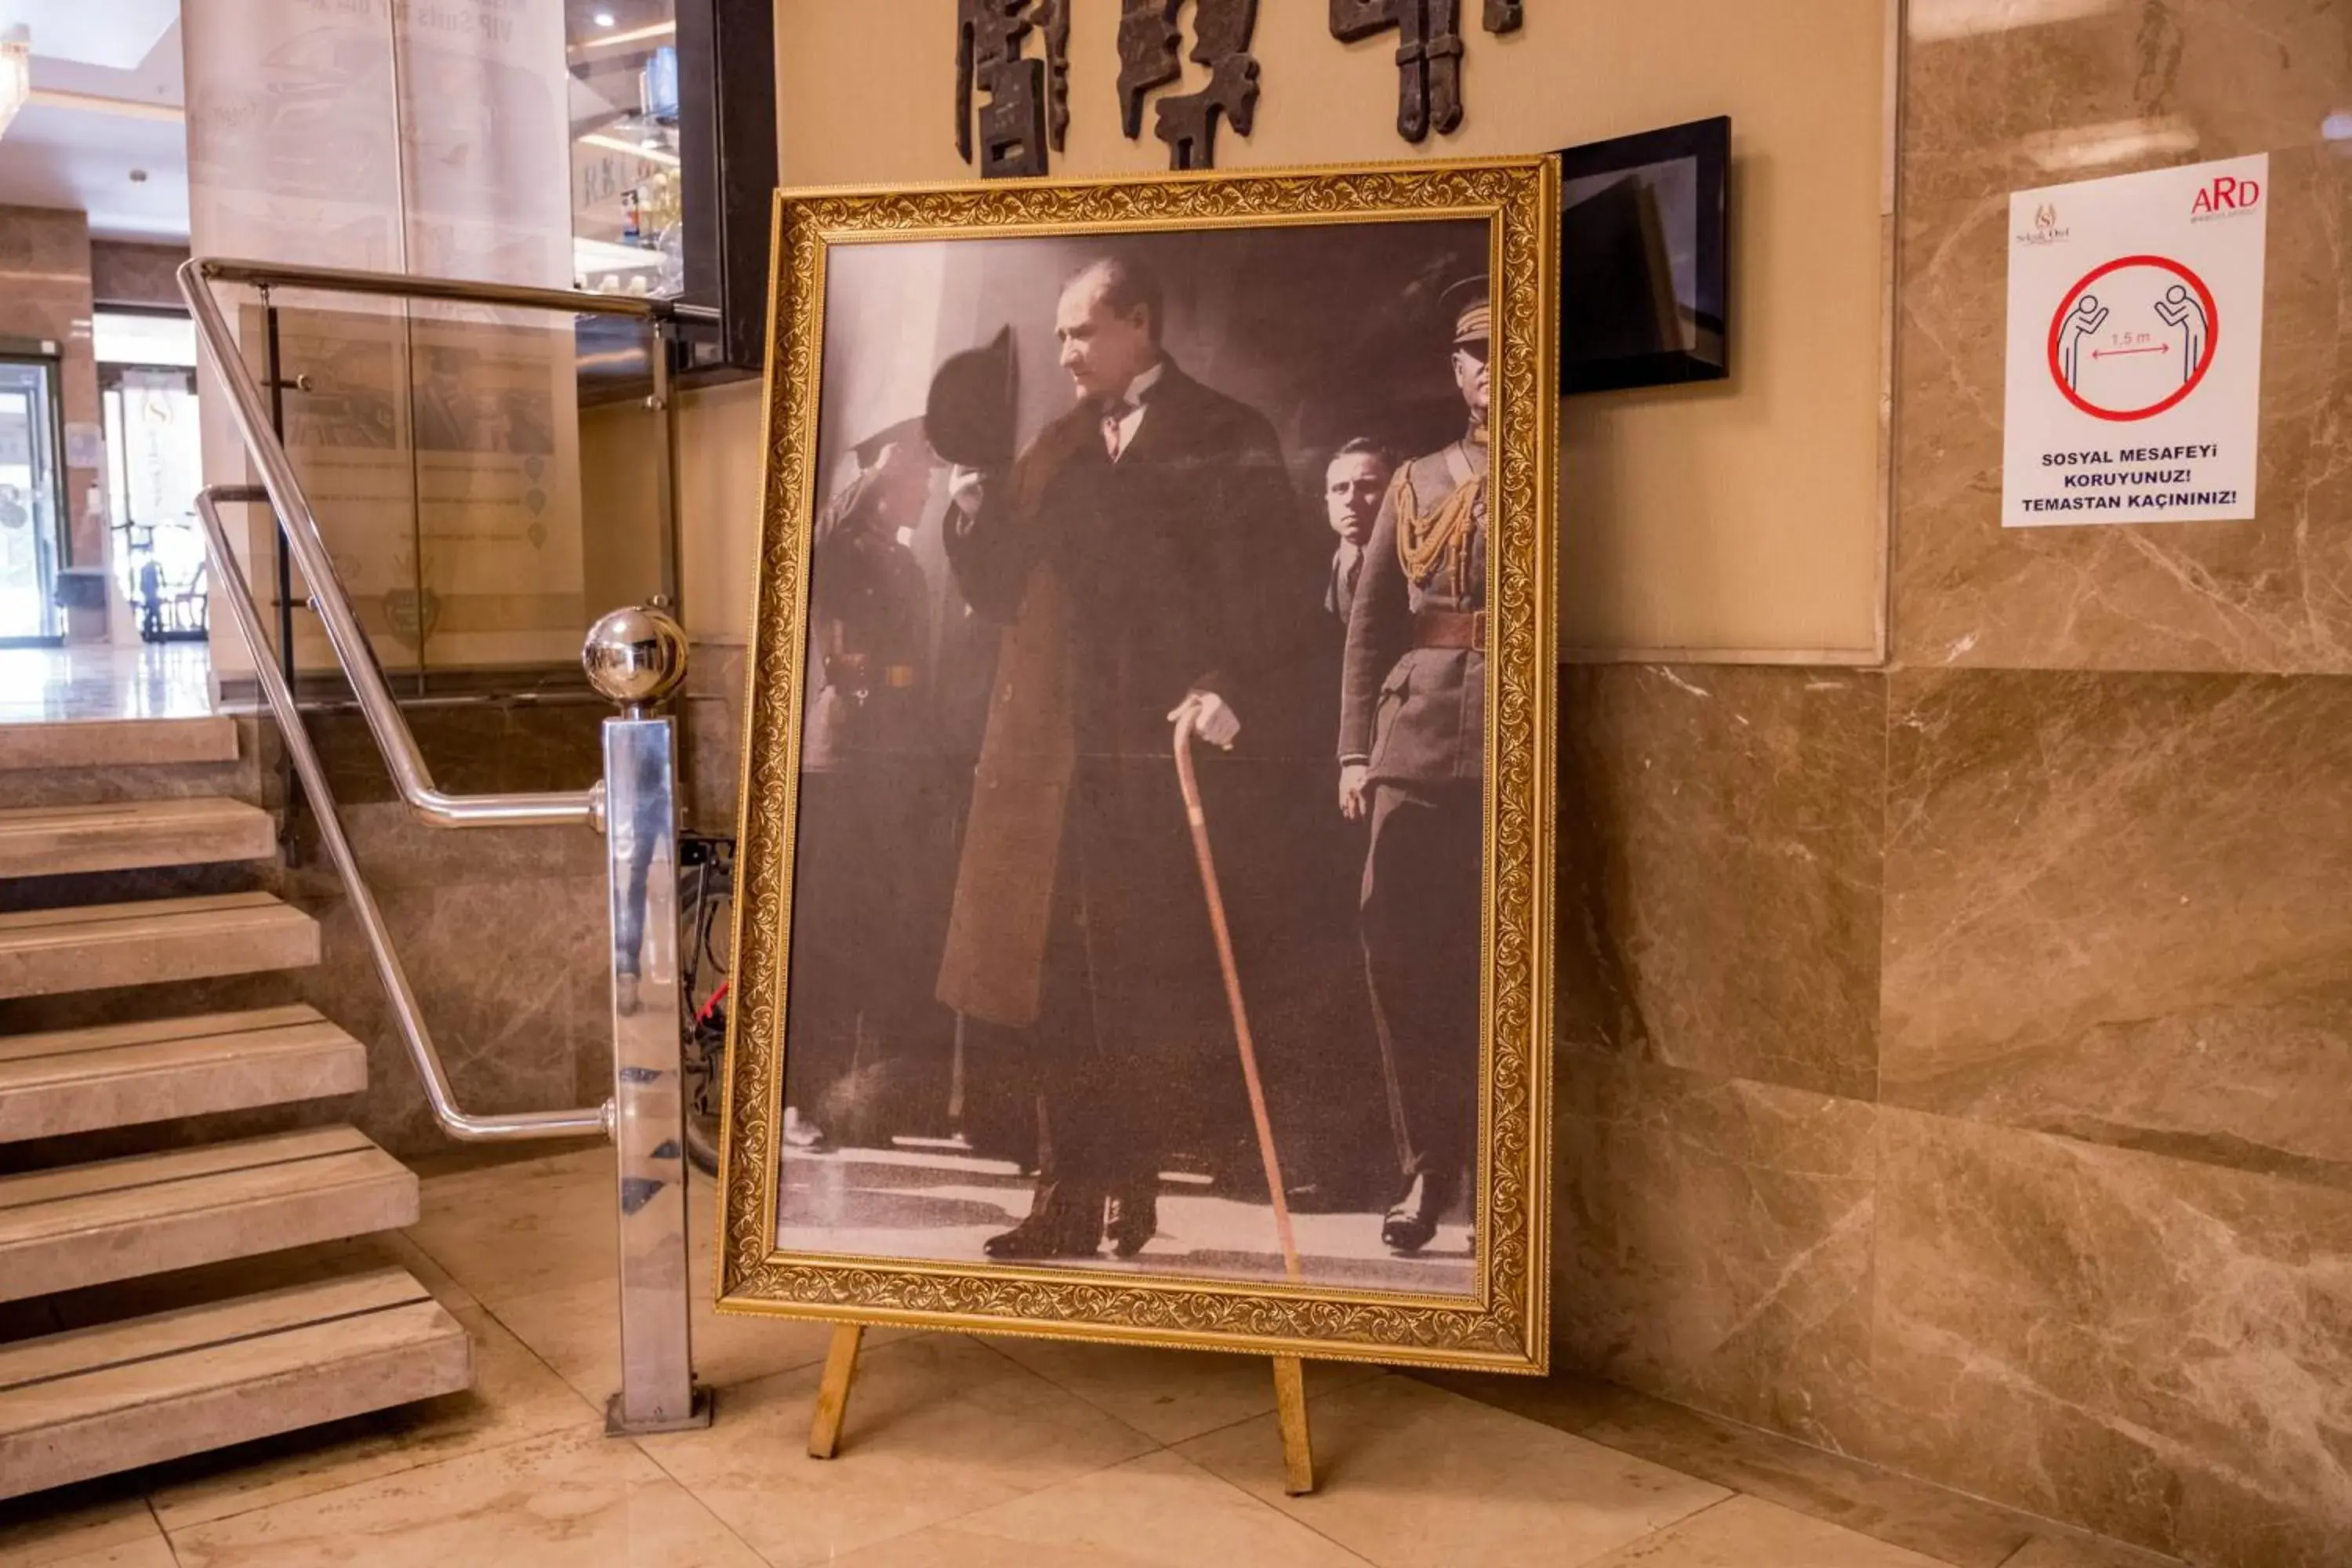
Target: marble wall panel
(1712, 1241)
(713, 708)
(2117, 908)
(1994, 95)
(2156, 1348)
(126, 272)
(45, 296)
(504, 935)
(1720, 844)
(1994, 103)
(470, 748)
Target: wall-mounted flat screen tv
(1644, 264)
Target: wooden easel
(1289, 1409)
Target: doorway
(154, 458)
(155, 455)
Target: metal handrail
(635, 657)
(229, 582)
(281, 488)
(300, 524)
(404, 286)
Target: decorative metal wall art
(1056, 15)
(1149, 45)
(1429, 53)
(1028, 98)
(1151, 42)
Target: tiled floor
(964, 1453)
(147, 681)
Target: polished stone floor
(896, 1203)
(965, 1453)
(147, 680)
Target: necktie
(1114, 418)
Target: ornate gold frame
(1503, 1327)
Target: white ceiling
(117, 34)
(81, 157)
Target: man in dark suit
(1412, 749)
(1135, 554)
(1353, 483)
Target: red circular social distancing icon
(2066, 373)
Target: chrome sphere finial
(635, 656)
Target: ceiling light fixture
(634, 150)
(16, 72)
(633, 35)
(604, 19)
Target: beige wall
(620, 505)
(719, 509)
(1736, 516)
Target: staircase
(82, 1391)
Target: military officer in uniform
(1413, 759)
(862, 798)
(870, 624)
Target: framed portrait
(1645, 258)
(1143, 901)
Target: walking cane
(1200, 823)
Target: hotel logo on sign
(2045, 229)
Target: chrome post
(637, 658)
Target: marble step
(117, 743)
(92, 946)
(128, 835)
(118, 1075)
(115, 1219)
(93, 1401)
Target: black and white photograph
(1138, 855)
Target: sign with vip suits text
(2134, 347)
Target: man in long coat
(1133, 553)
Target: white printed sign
(2136, 346)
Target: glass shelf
(628, 236)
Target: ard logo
(2046, 216)
(2225, 193)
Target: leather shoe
(1413, 1219)
(1030, 1240)
(1134, 1219)
(1057, 1226)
